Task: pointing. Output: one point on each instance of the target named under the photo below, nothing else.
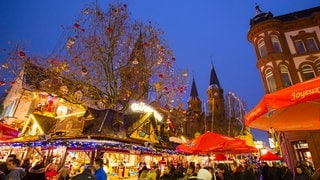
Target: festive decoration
(2, 83)
(21, 54)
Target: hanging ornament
(184, 73)
(162, 49)
(54, 61)
(145, 44)
(86, 11)
(70, 43)
(165, 88)
(84, 71)
(135, 61)
(2, 83)
(5, 65)
(109, 30)
(76, 25)
(21, 54)
(12, 83)
(83, 30)
(125, 5)
(160, 75)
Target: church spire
(214, 78)
(194, 91)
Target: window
(305, 42)
(311, 44)
(271, 82)
(276, 44)
(308, 72)
(262, 48)
(285, 76)
(300, 46)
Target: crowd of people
(230, 171)
(13, 169)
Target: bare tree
(107, 61)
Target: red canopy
(7, 132)
(210, 143)
(269, 156)
(293, 108)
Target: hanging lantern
(184, 73)
(2, 83)
(135, 61)
(84, 71)
(5, 65)
(21, 54)
(70, 43)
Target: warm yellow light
(69, 115)
(142, 107)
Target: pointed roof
(194, 91)
(214, 78)
(137, 53)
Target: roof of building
(263, 16)
(214, 78)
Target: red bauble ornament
(165, 88)
(160, 75)
(21, 54)
(145, 44)
(2, 83)
(76, 25)
(83, 30)
(12, 83)
(173, 58)
(109, 30)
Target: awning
(293, 108)
(7, 132)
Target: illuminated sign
(142, 107)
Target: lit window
(276, 44)
(262, 48)
(285, 75)
(271, 82)
(300, 46)
(311, 44)
(308, 72)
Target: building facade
(287, 49)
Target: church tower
(215, 97)
(134, 76)
(194, 102)
(195, 116)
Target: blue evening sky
(199, 32)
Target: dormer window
(276, 44)
(262, 48)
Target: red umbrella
(209, 142)
(220, 157)
(269, 156)
(281, 110)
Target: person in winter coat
(87, 173)
(36, 172)
(16, 172)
